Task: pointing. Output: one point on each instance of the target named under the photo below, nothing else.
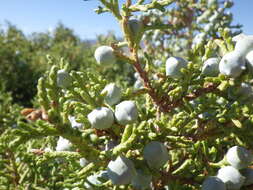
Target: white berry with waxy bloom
(137, 76)
(174, 66)
(244, 45)
(231, 177)
(101, 118)
(63, 80)
(113, 94)
(126, 112)
(156, 154)
(232, 64)
(213, 183)
(121, 171)
(104, 55)
(239, 157)
(211, 67)
(138, 84)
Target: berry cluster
(234, 176)
(122, 171)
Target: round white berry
(126, 112)
(156, 154)
(64, 80)
(211, 67)
(239, 157)
(232, 64)
(121, 171)
(113, 94)
(104, 55)
(101, 118)
(244, 45)
(231, 177)
(174, 66)
(138, 84)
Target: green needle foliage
(196, 117)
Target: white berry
(231, 177)
(126, 112)
(232, 64)
(101, 118)
(239, 157)
(104, 55)
(174, 66)
(113, 94)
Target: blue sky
(43, 15)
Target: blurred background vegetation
(23, 58)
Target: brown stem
(151, 91)
(164, 103)
(210, 87)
